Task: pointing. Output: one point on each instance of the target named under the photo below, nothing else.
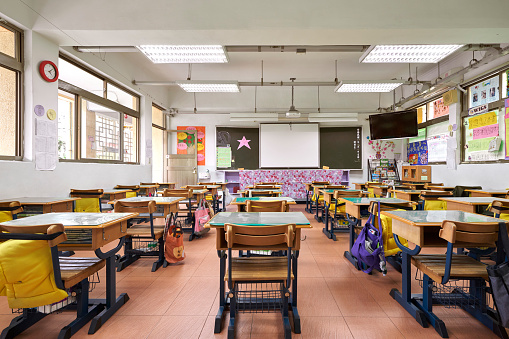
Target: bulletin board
(485, 136)
(417, 153)
(340, 147)
(237, 147)
(186, 143)
(484, 92)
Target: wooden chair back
(206, 183)
(373, 207)
(434, 195)
(93, 193)
(498, 207)
(11, 206)
(268, 183)
(267, 193)
(149, 184)
(344, 194)
(30, 232)
(134, 188)
(335, 186)
(427, 184)
(265, 186)
(180, 193)
(135, 206)
(194, 187)
(277, 237)
(320, 182)
(465, 234)
(266, 206)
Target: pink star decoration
(244, 142)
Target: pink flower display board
(292, 180)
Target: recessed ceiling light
(209, 86)
(367, 86)
(187, 54)
(407, 53)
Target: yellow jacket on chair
(390, 247)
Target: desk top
(243, 200)
(40, 200)
(166, 183)
(488, 191)
(416, 191)
(367, 201)
(276, 190)
(473, 200)
(200, 191)
(435, 218)
(149, 186)
(259, 218)
(74, 220)
(115, 190)
(158, 200)
(332, 190)
(441, 188)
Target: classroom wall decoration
(383, 149)
(237, 147)
(341, 147)
(292, 181)
(484, 92)
(417, 153)
(506, 125)
(484, 136)
(439, 109)
(186, 143)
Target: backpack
(368, 247)
(173, 241)
(201, 216)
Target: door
(181, 165)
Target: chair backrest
(434, 195)
(194, 187)
(460, 191)
(320, 182)
(135, 206)
(471, 234)
(181, 193)
(90, 200)
(9, 210)
(265, 186)
(149, 184)
(373, 207)
(278, 237)
(498, 207)
(206, 183)
(343, 194)
(267, 193)
(93, 193)
(268, 183)
(34, 232)
(427, 184)
(266, 206)
(335, 186)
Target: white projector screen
(289, 146)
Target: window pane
(7, 112)
(505, 88)
(122, 97)
(130, 138)
(80, 78)
(7, 42)
(157, 154)
(100, 137)
(66, 109)
(157, 116)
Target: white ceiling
(266, 22)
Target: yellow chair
(266, 206)
(431, 202)
(134, 190)
(90, 201)
(9, 210)
(500, 209)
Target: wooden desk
(410, 195)
(414, 186)
(115, 193)
(255, 219)
(273, 190)
(242, 202)
(422, 228)
(469, 204)
(485, 193)
(91, 231)
(148, 190)
(440, 188)
(360, 185)
(381, 190)
(169, 185)
(169, 204)
(39, 205)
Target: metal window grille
(107, 136)
(129, 151)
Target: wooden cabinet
(419, 173)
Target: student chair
(9, 210)
(188, 211)
(427, 184)
(135, 189)
(438, 269)
(310, 195)
(213, 199)
(142, 239)
(500, 209)
(430, 202)
(337, 213)
(264, 186)
(265, 193)
(259, 284)
(90, 201)
(461, 191)
(29, 256)
(266, 206)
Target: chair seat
(462, 266)
(259, 269)
(73, 269)
(144, 231)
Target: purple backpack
(368, 247)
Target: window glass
(100, 136)
(130, 138)
(66, 118)
(8, 112)
(80, 78)
(484, 92)
(122, 97)
(505, 88)
(157, 116)
(157, 154)
(7, 42)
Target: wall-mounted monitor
(393, 125)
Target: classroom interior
(370, 138)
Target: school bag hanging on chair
(173, 240)
(368, 247)
(201, 216)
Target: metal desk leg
(218, 324)
(307, 209)
(317, 216)
(224, 208)
(295, 312)
(348, 254)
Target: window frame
(81, 94)
(16, 65)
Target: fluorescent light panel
(366, 86)
(333, 117)
(209, 86)
(407, 53)
(187, 54)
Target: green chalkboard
(341, 147)
(247, 156)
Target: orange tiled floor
(335, 300)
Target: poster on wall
(417, 153)
(439, 109)
(437, 148)
(482, 135)
(186, 143)
(506, 124)
(484, 92)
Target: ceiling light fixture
(209, 86)
(407, 53)
(178, 54)
(292, 112)
(367, 86)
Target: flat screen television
(393, 125)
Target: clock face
(50, 71)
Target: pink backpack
(201, 216)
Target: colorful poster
(484, 92)
(482, 120)
(224, 157)
(186, 143)
(439, 109)
(479, 145)
(417, 153)
(485, 132)
(506, 140)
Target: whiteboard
(289, 146)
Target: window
(11, 72)
(157, 144)
(106, 115)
